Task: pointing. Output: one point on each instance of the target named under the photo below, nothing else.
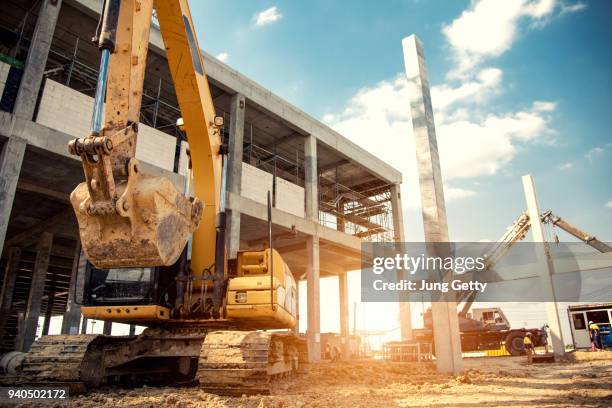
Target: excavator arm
(127, 218)
(130, 219)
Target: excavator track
(63, 360)
(246, 362)
(229, 362)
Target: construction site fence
(408, 352)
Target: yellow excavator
(208, 318)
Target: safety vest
(526, 340)
(593, 326)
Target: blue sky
(531, 78)
(518, 86)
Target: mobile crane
(204, 314)
(488, 328)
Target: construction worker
(528, 343)
(595, 336)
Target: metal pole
(96, 117)
(157, 103)
(74, 56)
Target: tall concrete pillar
(547, 267)
(313, 301)
(234, 174)
(400, 236)
(11, 159)
(107, 329)
(344, 314)
(37, 290)
(37, 59)
(72, 316)
(445, 322)
(311, 178)
(8, 286)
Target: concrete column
(11, 159)
(37, 290)
(132, 330)
(313, 301)
(48, 313)
(344, 314)
(8, 286)
(400, 236)
(547, 267)
(37, 59)
(72, 316)
(234, 170)
(311, 178)
(296, 329)
(108, 328)
(445, 322)
(84, 325)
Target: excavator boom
(127, 218)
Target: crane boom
(516, 232)
(549, 218)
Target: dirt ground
(584, 380)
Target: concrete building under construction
(328, 194)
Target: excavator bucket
(148, 225)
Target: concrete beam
(234, 170)
(38, 136)
(445, 322)
(8, 285)
(11, 159)
(37, 59)
(547, 267)
(344, 314)
(37, 290)
(311, 178)
(72, 316)
(313, 301)
(292, 222)
(405, 315)
(28, 237)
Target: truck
(485, 329)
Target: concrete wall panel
(69, 111)
(289, 197)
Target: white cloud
(566, 166)
(223, 56)
(454, 193)
(473, 141)
(544, 106)
(594, 153)
(268, 16)
(609, 204)
(468, 147)
(573, 8)
(489, 28)
(485, 85)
